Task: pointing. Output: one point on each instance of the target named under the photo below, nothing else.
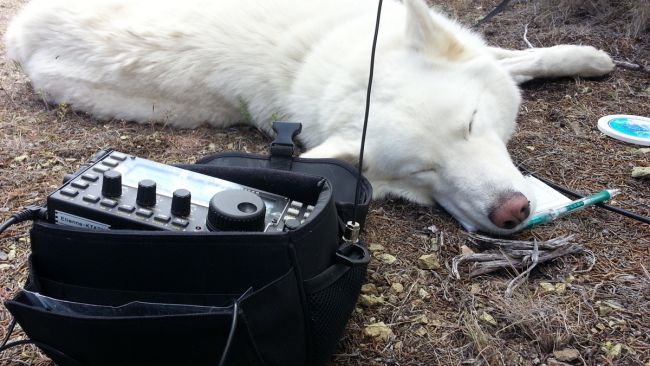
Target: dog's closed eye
(471, 122)
(428, 170)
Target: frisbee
(626, 128)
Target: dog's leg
(552, 62)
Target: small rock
(567, 354)
(488, 318)
(396, 288)
(638, 172)
(416, 303)
(547, 286)
(3, 256)
(560, 288)
(375, 247)
(422, 331)
(639, 151)
(434, 244)
(424, 294)
(379, 331)
(475, 289)
(428, 261)
(604, 310)
(21, 158)
(386, 258)
(369, 289)
(422, 319)
(370, 301)
(421, 236)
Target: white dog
(443, 103)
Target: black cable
(617, 210)
(501, 7)
(365, 119)
(9, 330)
(231, 335)
(12, 220)
(32, 212)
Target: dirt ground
(601, 311)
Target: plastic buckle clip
(283, 144)
(353, 255)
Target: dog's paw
(569, 60)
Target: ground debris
(510, 254)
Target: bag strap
(283, 147)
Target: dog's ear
(336, 148)
(426, 36)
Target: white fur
(201, 61)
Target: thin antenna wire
(365, 120)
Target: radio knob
(236, 210)
(112, 184)
(146, 193)
(181, 201)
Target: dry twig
(514, 254)
(632, 66)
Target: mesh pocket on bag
(330, 310)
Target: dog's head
(442, 111)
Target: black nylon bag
(343, 176)
(295, 290)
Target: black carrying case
(293, 291)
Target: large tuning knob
(181, 202)
(146, 193)
(112, 184)
(236, 210)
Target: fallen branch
(512, 254)
(632, 66)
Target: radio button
(69, 192)
(91, 198)
(108, 202)
(110, 162)
(126, 208)
(118, 156)
(144, 212)
(180, 222)
(101, 169)
(162, 218)
(296, 204)
(293, 211)
(90, 177)
(80, 184)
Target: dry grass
(633, 15)
(604, 314)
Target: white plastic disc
(626, 128)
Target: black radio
(120, 191)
